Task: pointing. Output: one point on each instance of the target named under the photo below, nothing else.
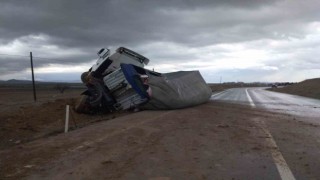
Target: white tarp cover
(177, 90)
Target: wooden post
(33, 83)
(66, 127)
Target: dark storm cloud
(87, 23)
(84, 26)
(11, 65)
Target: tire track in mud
(88, 143)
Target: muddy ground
(23, 120)
(212, 141)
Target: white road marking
(217, 94)
(249, 99)
(281, 164)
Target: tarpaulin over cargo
(177, 90)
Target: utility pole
(34, 87)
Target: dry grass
(307, 88)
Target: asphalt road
(279, 102)
(298, 134)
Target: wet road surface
(296, 136)
(273, 101)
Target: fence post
(66, 127)
(33, 83)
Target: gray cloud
(86, 23)
(72, 31)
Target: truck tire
(84, 77)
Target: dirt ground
(308, 88)
(23, 120)
(148, 138)
(212, 141)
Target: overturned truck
(120, 82)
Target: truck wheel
(84, 77)
(81, 106)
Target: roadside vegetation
(308, 88)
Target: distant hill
(15, 81)
(24, 82)
(307, 88)
(216, 87)
(28, 83)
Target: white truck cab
(107, 84)
(108, 63)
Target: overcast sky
(236, 40)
